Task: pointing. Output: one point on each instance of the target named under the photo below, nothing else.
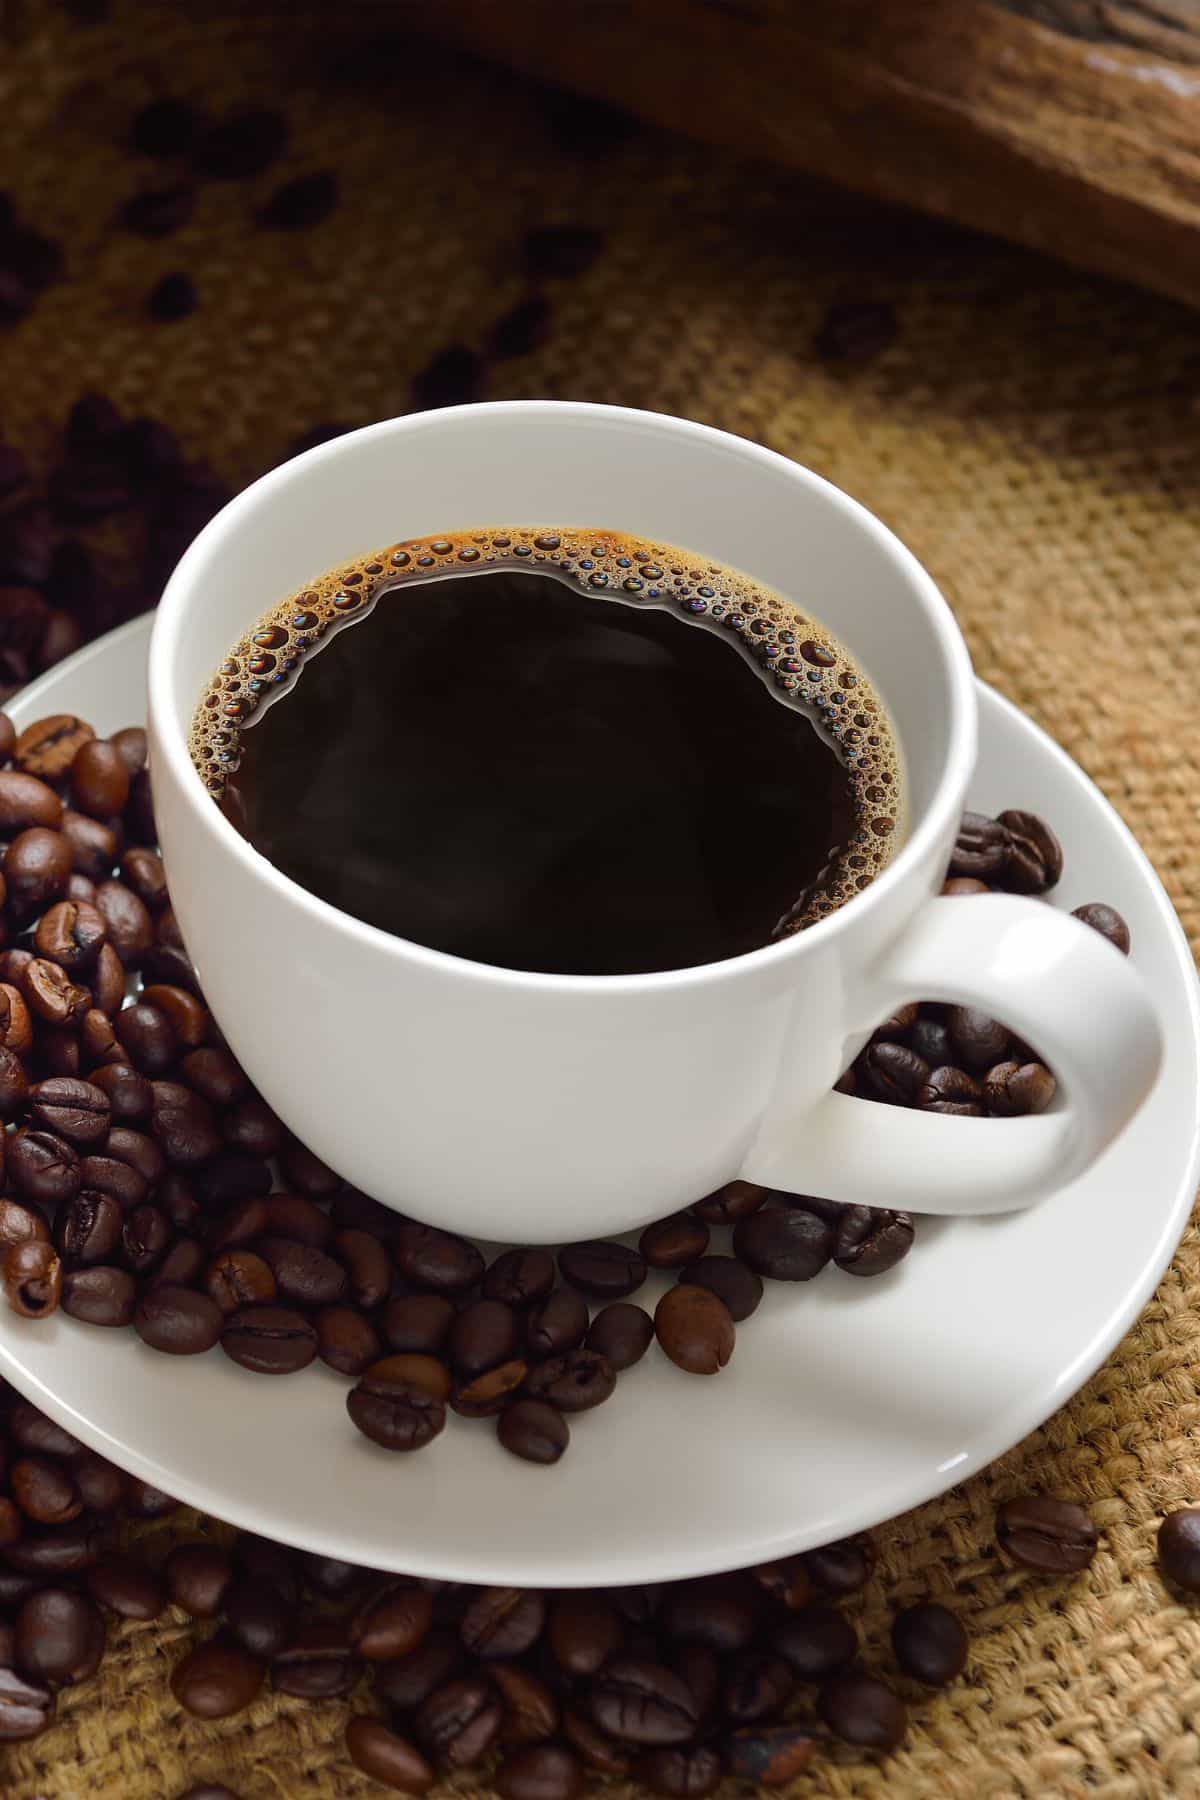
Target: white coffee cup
(543, 1108)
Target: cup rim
(169, 733)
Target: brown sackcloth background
(1031, 433)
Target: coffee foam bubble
(798, 660)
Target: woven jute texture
(1032, 434)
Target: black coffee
(555, 750)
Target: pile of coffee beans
(957, 1059)
(141, 1169)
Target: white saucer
(846, 1401)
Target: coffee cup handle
(1053, 980)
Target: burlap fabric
(1031, 433)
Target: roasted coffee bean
(142, 871)
(76, 1110)
(303, 1274)
(16, 1026)
(107, 981)
(44, 1490)
(558, 1325)
(397, 1415)
(480, 1396)
(931, 1040)
(130, 928)
(31, 1278)
(147, 1038)
(346, 1340)
(166, 930)
(424, 1371)
(33, 1431)
(503, 1621)
(573, 1383)
(214, 1075)
(982, 849)
(352, 1210)
(392, 1622)
(21, 1224)
(418, 1323)
(99, 1296)
(71, 933)
(520, 1277)
(408, 1682)
(386, 1757)
(817, 1641)
(771, 1756)
(533, 1430)
(1179, 1548)
(198, 1577)
(109, 1175)
(93, 846)
(26, 1707)
(58, 1051)
(1107, 921)
(330, 1576)
(721, 1612)
(42, 1166)
(216, 1679)
(930, 1643)
(245, 1220)
(124, 1586)
(47, 748)
(88, 1228)
(257, 1616)
(367, 1264)
(871, 1239)
(786, 1581)
(521, 330)
(164, 963)
(145, 1240)
(621, 1333)
(736, 1200)
(178, 1204)
(787, 1244)
(435, 1259)
(136, 1149)
(951, 1090)
(862, 1711)
(182, 1266)
(979, 1041)
(127, 1092)
(642, 1702)
(597, 1749)
(300, 204)
(26, 801)
(305, 1171)
(299, 1219)
(603, 1270)
(131, 740)
(36, 865)
(183, 1124)
(694, 1329)
(540, 1772)
(672, 1242)
(271, 1340)
(530, 1709)
(54, 999)
(583, 1630)
(1035, 860)
(459, 1723)
(61, 1550)
(897, 1025)
(893, 1072)
(962, 885)
(59, 1637)
(1055, 1537)
(482, 1335)
(842, 1567)
(97, 1043)
(738, 1288)
(15, 1589)
(252, 1126)
(178, 1320)
(1013, 1089)
(233, 1181)
(453, 376)
(757, 1687)
(101, 1484)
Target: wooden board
(1069, 125)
